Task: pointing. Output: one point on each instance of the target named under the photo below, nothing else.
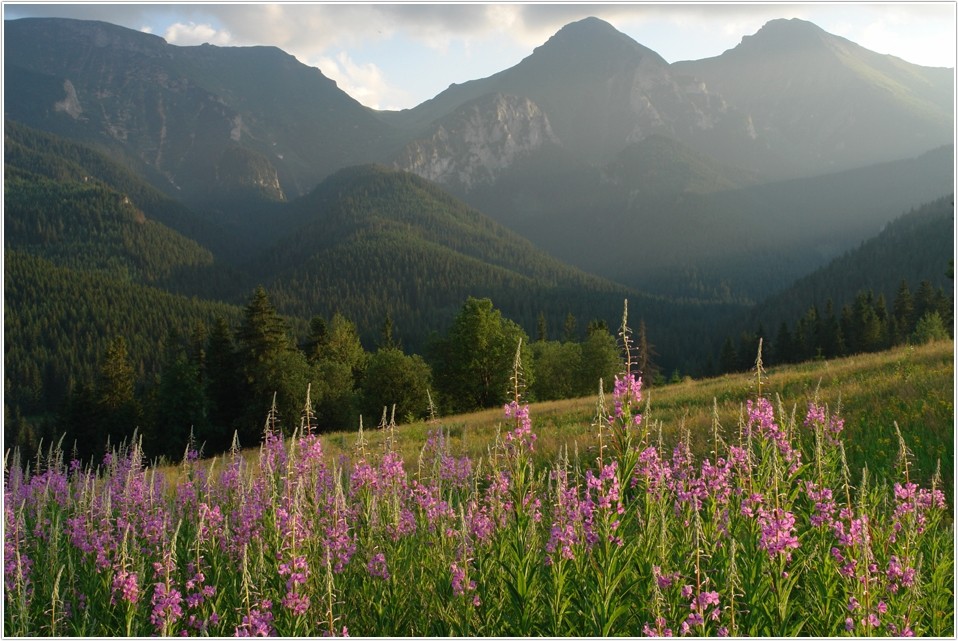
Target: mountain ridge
(654, 175)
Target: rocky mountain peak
(593, 41)
(783, 35)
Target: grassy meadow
(786, 504)
(912, 386)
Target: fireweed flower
(665, 581)
(461, 585)
(717, 480)
(197, 592)
(825, 507)
(211, 524)
(377, 566)
(309, 456)
(438, 512)
(566, 531)
(761, 419)
(339, 542)
(404, 524)
(497, 496)
(683, 482)
(831, 426)
(857, 534)
(652, 469)
(912, 505)
(899, 576)
(167, 606)
(296, 603)
(778, 532)
(480, 524)
(456, 472)
(752, 504)
(522, 437)
(92, 533)
(16, 563)
(297, 573)
(258, 622)
(626, 393)
(602, 497)
(125, 587)
(247, 520)
(699, 609)
(661, 629)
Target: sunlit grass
(912, 386)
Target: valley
(150, 190)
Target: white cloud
(424, 46)
(190, 33)
(364, 82)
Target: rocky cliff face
(479, 140)
(243, 170)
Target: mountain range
(590, 172)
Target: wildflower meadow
(769, 534)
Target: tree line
(867, 324)
(218, 381)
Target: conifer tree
(784, 346)
(271, 364)
(542, 333)
(338, 368)
(728, 360)
(645, 356)
(600, 360)
(903, 312)
(569, 328)
(117, 410)
(225, 386)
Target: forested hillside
(917, 246)
(894, 288)
(41, 154)
(372, 241)
(59, 321)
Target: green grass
(912, 386)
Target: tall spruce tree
(271, 364)
(226, 388)
(118, 412)
(645, 356)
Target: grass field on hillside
(912, 386)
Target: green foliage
(474, 359)
(396, 383)
(929, 328)
(558, 365)
(769, 531)
(180, 407)
(59, 322)
(913, 248)
(156, 232)
(107, 413)
(339, 362)
(271, 364)
(601, 360)
(370, 242)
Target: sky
(395, 56)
